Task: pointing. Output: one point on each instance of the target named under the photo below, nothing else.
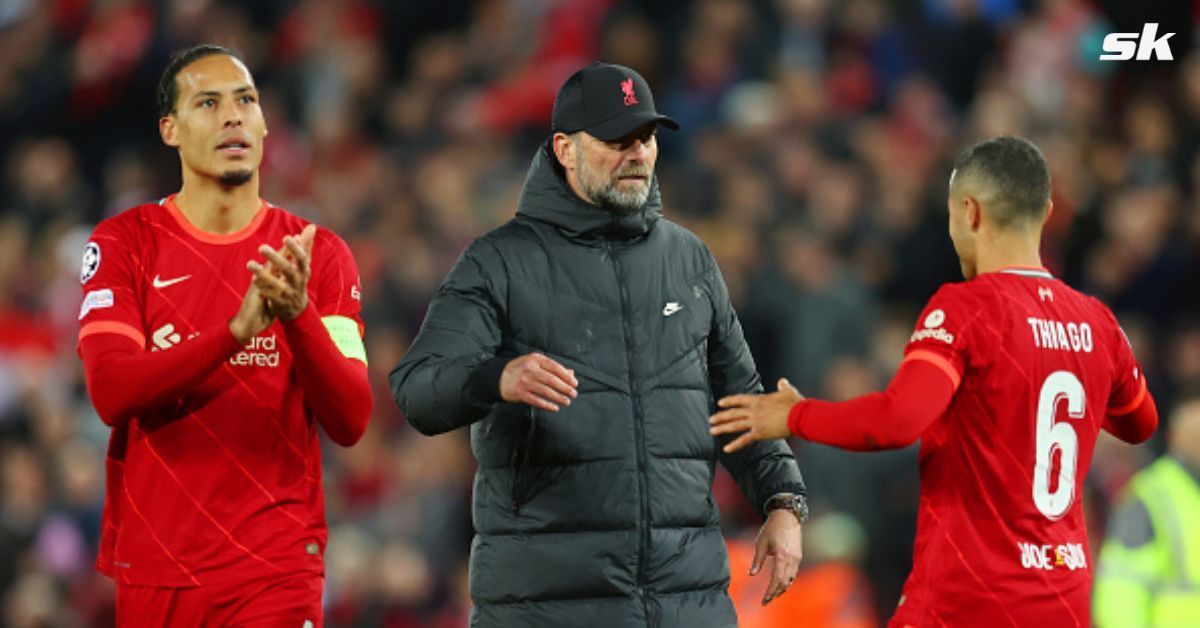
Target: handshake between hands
(279, 288)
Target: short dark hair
(168, 89)
(1012, 172)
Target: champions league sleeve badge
(91, 262)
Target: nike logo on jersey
(161, 283)
(671, 308)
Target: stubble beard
(608, 194)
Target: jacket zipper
(639, 432)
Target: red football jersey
(223, 483)
(1001, 539)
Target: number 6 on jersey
(1060, 436)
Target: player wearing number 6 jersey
(1007, 380)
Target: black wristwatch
(796, 504)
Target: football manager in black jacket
(585, 342)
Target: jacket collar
(547, 197)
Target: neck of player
(216, 208)
(1005, 247)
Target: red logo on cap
(630, 97)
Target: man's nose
(639, 152)
(230, 114)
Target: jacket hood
(547, 197)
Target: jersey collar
(215, 238)
(1026, 271)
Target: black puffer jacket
(600, 514)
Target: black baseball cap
(606, 100)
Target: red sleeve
(1137, 425)
(920, 391)
(336, 388)
(124, 380)
(918, 394)
(113, 282)
(1132, 414)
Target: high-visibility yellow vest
(1156, 584)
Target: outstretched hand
(283, 280)
(759, 417)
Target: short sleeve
(110, 273)
(1129, 383)
(940, 336)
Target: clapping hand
(283, 280)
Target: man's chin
(627, 200)
(235, 178)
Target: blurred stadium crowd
(813, 159)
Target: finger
(773, 591)
(266, 290)
(549, 394)
(726, 416)
(783, 572)
(298, 254)
(770, 593)
(265, 279)
(779, 579)
(732, 427)
(279, 260)
(530, 398)
(786, 386)
(735, 400)
(760, 556)
(556, 383)
(282, 265)
(307, 236)
(559, 372)
(739, 442)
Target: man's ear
(167, 130)
(564, 150)
(974, 212)
(1049, 212)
